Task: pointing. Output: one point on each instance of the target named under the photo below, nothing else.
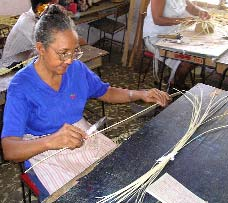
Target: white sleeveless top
(19, 40)
(173, 9)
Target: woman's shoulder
(78, 65)
(27, 16)
(24, 76)
(25, 20)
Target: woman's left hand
(204, 15)
(156, 96)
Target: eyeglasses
(77, 54)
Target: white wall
(14, 7)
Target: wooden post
(137, 47)
(129, 30)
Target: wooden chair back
(122, 10)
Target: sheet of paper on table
(168, 190)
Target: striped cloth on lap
(61, 168)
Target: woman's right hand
(204, 15)
(67, 136)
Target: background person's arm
(157, 7)
(197, 11)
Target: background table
(201, 166)
(196, 48)
(203, 50)
(97, 11)
(222, 63)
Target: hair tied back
(54, 10)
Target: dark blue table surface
(201, 166)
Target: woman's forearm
(68, 136)
(164, 21)
(118, 95)
(157, 9)
(193, 9)
(18, 150)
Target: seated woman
(45, 103)
(163, 17)
(20, 42)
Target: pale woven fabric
(171, 63)
(172, 9)
(60, 169)
(20, 41)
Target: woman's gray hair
(53, 20)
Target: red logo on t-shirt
(73, 96)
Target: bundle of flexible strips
(137, 188)
(4, 70)
(218, 20)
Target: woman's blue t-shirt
(33, 107)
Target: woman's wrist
(177, 21)
(134, 95)
(130, 95)
(47, 141)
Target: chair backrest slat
(122, 10)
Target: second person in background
(164, 17)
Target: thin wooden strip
(137, 47)
(129, 30)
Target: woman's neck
(49, 77)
